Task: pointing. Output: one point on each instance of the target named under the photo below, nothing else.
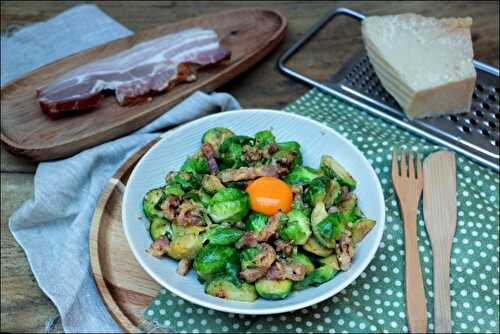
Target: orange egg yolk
(269, 195)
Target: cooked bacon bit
(159, 246)
(345, 252)
(272, 148)
(345, 193)
(252, 154)
(169, 207)
(286, 270)
(266, 257)
(297, 190)
(184, 266)
(249, 239)
(271, 228)
(189, 214)
(284, 246)
(209, 153)
(252, 274)
(249, 173)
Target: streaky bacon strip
(134, 74)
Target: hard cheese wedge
(424, 63)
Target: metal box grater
(475, 134)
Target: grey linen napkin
(53, 226)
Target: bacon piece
(249, 239)
(209, 153)
(169, 207)
(249, 173)
(345, 252)
(134, 74)
(159, 246)
(263, 262)
(183, 267)
(286, 270)
(252, 274)
(189, 214)
(284, 246)
(271, 228)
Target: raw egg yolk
(269, 195)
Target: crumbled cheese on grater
(423, 62)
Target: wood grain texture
(440, 212)
(250, 34)
(124, 286)
(24, 307)
(408, 181)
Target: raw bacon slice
(134, 74)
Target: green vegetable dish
(252, 221)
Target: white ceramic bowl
(315, 139)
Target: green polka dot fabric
(375, 301)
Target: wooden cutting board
(125, 287)
(250, 34)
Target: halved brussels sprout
(216, 137)
(223, 288)
(159, 227)
(331, 228)
(211, 184)
(184, 247)
(317, 216)
(297, 227)
(196, 165)
(212, 259)
(273, 289)
(301, 175)
(333, 193)
(151, 203)
(256, 222)
(289, 152)
(361, 229)
(330, 261)
(332, 168)
(187, 181)
(229, 204)
(316, 191)
(173, 189)
(304, 259)
(224, 235)
(179, 230)
(316, 277)
(313, 246)
(263, 138)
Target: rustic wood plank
(24, 307)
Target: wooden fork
(408, 186)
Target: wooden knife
(440, 213)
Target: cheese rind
(425, 63)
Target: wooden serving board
(250, 34)
(125, 287)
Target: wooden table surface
(24, 307)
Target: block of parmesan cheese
(423, 62)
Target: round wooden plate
(124, 286)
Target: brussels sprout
(318, 215)
(296, 228)
(235, 140)
(329, 229)
(187, 181)
(332, 168)
(229, 204)
(289, 152)
(330, 261)
(316, 277)
(173, 189)
(316, 192)
(303, 259)
(249, 257)
(333, 193)
(224, 288)
(313, 246)
(273, 289)
(151, 203)
(224, 235)
(361, 228)
(184, 247)
(231, 151)
(216, 137)
(256, 222)
(301, 175)
(212, 259)
(179, 230)
(211, 184)
(298, 205)
(196, 165)
(233, 268)
(198, 196)
(159, 227)
(263, 138)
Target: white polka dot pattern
(375, 301)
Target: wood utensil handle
(416, 303)
(442, 307)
